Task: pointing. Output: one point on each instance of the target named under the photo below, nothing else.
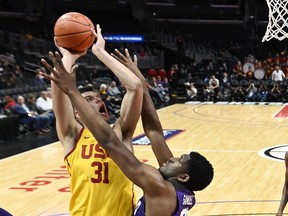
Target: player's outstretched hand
(130, 63)
(59, 75)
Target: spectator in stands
(237, 67)
(207, 93)
(152, 82)
(3, 82)
(262, 93)
(191, 91)
(238, 72)
(114, 92)
(17, 72)
(166, 85)
(112, 108)
(31, 104)
(4, 66)
(10, 102)
(27, 117)
(159, 80)
(249, 73)
(210, 66)
(258, 64)
(251, 92)
(214, 86)
(285, 94)
(276, 93)
(113, 89)
(93, 75)
(182, 73)
(278, 75)
(268, 70)
(103, 90)
(2, 71)
(224, 80)
(239, 94)
(157, 92)
(44, 105)
(49, 92)
(28, 35)
(226, 93)
(141, 52)
(277, 59)
(10, 81)
(223, 67)
(173, 72)
(38, 80)
(162, 73)
(189, 78)
(158, 89)
(285, 68)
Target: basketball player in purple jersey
(167, 190)
(4, 212)
(153, 130)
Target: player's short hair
(86, 88)
(201, 172)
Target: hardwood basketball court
(35, 183)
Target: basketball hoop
(278, 20)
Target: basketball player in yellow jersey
(98, 186)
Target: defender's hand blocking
(126, 60)
(59, 75)
(130, 63)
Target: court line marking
(279, 111)
(238, 201)
(233, 214)
(219, 119)
(207, 150)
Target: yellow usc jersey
(98, 186)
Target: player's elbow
(136, 85)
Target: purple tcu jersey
(4, 212)
(186, 200)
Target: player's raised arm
(151, 124)
(66, 125)
(132, 101)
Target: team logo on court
(143, 139)
(274, 152)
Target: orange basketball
(73, 31)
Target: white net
(278, 20)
